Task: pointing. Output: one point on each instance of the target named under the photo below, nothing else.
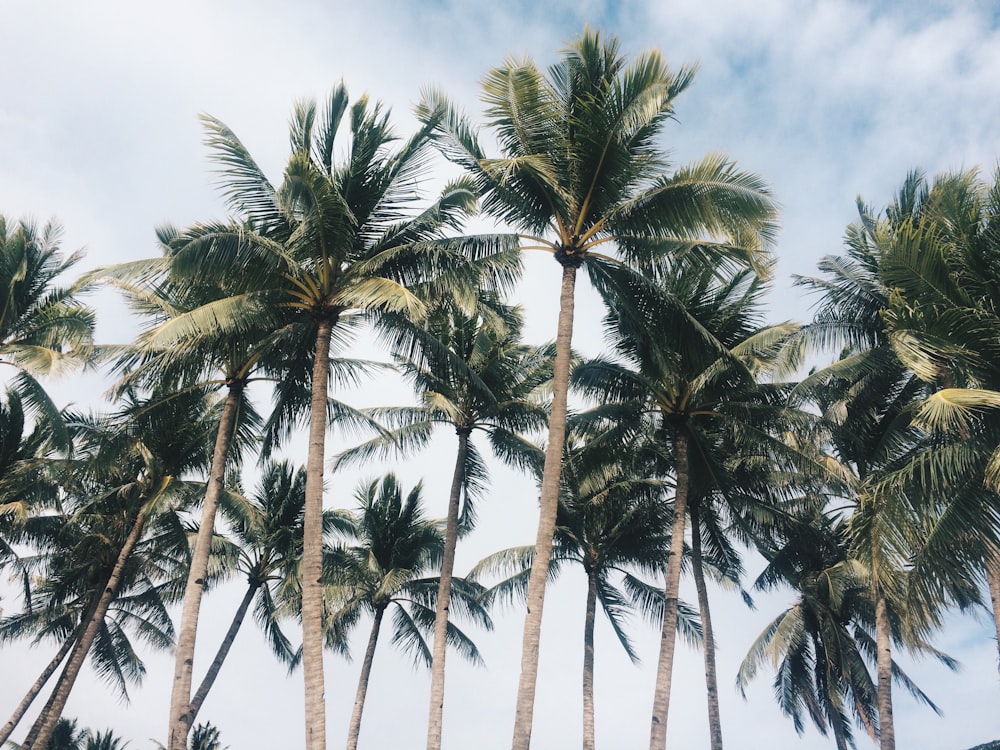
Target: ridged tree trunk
(883, 645)
(708, 635)
(220, 656)
(588, 661)
(180, 718)
(993, 579)
(46, 722)
(366, 670)
(668, 636)
(35, 689)
(435, 718)
(312, 547)
(549, 503)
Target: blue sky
(827, 100)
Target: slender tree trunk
(588, 661)
(708, 642)
(435, 719)
(546, 517)
(227, 643)
(35, 689)
(993, 579)
(180, 718)
(47, 721)
(668, 636)
(312, 547)
(887, 732)
(366, 669)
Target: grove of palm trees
(507, 378)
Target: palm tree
(196, 362)
(44, 329)
(942, 271)
(266, 532)
(331, 240)
(868, 399)
(581, 172)
(126, 471)
(695, 391)
(394, 546)
(612, 523)
(473, 374)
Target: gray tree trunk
(366, 670)
(588, 662)
(220, 656)
(180, 717)
(708, 635)
(312, 547)
(435, 720)
(668, 636)
(883, 644)
(549, 503)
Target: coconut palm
(613, 523)
(868, 399)
(695, 391)
(393, 546)
(331, 240)
(472, 374)
(943, 271)
(44, 329)
(582, 176)
(127, 471)
(266, 532)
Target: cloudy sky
(827, 100)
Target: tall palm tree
(943, 273)
(394, 545)
(613, 523)
(199, 361)
(266, 534)
(127, 470)
(868, 399)
(695, 389)
(44, 328)
(582, 176)
(332, 239)
(473, 374)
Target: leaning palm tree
(393, 546)
(126, 472)
(472, 374)
(582, 176)
(331, 240)
(44, 329)
(696, 391)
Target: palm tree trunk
(668, 635)
(708, 642)
(993, 579)
(549, 503)
(46, 722)
(213, 671)
(312, 547)
(366, 669)
(436, 719)
(588, 661)
(35, 689)
(887, 732)
(180, 717)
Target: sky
(828, 100)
